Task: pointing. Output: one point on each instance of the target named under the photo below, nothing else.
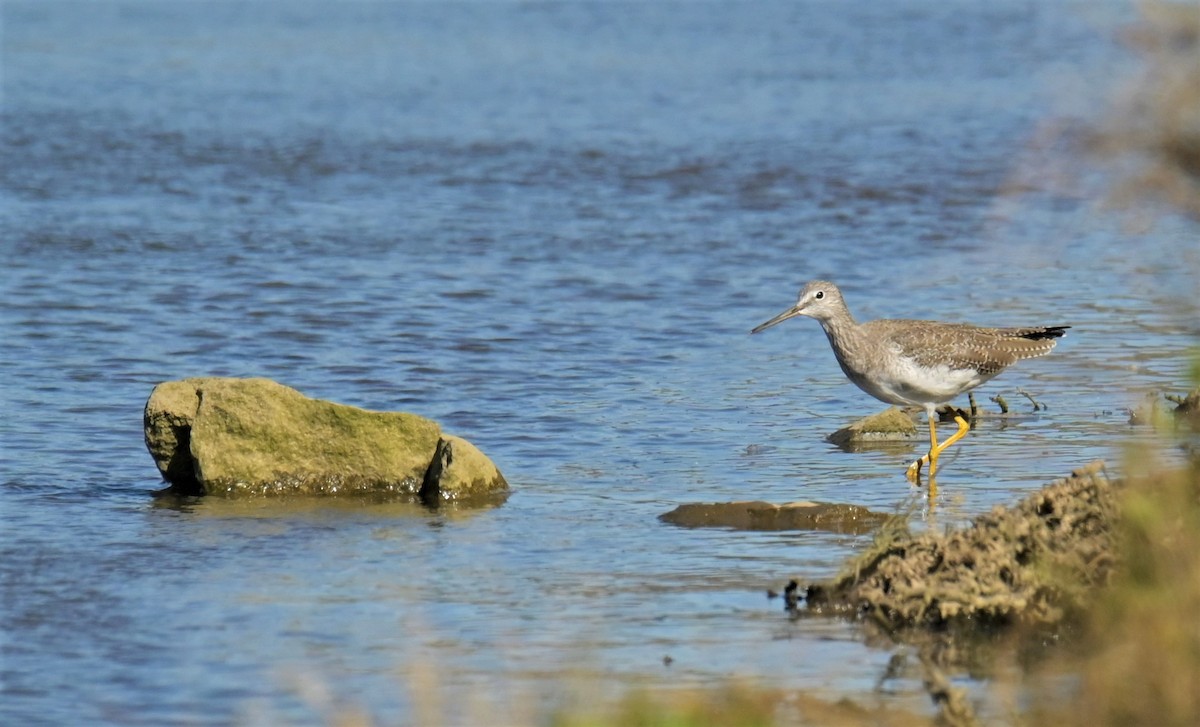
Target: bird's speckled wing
(962, 346)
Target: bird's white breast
(904, 382)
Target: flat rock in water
(236, 437)
(824, 516)
(889, 425)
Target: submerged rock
(889, 425)
(824, 516)
(235, 437)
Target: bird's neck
(843, 333)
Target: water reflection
(382, 506)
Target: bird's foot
(914, 476)
(914, 472)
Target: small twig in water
(790, 598)
(1000, 402)
(1037, 405)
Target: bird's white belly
(906, 383)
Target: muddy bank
(1030, 570)
(1030, 564)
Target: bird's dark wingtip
(1040, 334)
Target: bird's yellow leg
(914, 469)
(963, 428)
(935, 449)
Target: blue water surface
(550, 227)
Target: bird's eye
(819, 295)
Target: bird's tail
(1038, 334)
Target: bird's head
(819, 299)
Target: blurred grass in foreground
(1142, 649)
(733, 705)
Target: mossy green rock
(889, 425)
(236, 437)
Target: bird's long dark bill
(789, 313)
